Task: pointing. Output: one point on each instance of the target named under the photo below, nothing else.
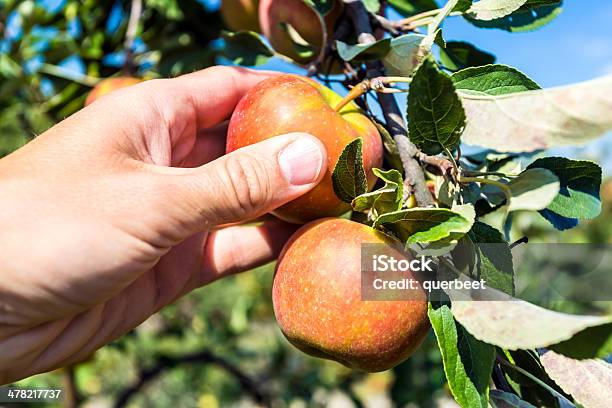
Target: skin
(273, 14)
(289, 102)
(122, 208)
(317, 299)
(240, 14)
(109, 85)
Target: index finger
(209, 96)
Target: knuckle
(249, 184)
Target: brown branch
(414, 177)
(394, 28)
(388, 25)
(341, 31)
(72, 397)
(439, 165)
(164, 362)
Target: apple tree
(434, 195)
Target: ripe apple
(294, 29)
(108, 85)
(317, 299)
(240, 14)
(291, 103)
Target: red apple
(291, 103)
(318, 305)
(294, 29)
(108, 85)
(240, 14)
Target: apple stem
(377, 84)
(358, 90)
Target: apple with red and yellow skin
(291, 103)
(108, 85)
(317, 300)
(292, 25)
(240, 14)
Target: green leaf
(422, 225)
(363, 52)
(468, 362)
(463, 6)
(593, 342)
(245, 48)
(579, 190)
(493, 80)
(13, 135)
(530, 390)
(349, 178)
(411, 7)
(503, 399)
(386, 199)
(514, 324)
(439, 39)
(39, 120)
(373, 6)
(538, 119)
(493, 261)
(404, 55)
(532, 15)
(459, 55)
(436, 116)
(534, 189)
(493, 9)
(589, 382)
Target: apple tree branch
(414, 178)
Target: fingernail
(301, 161)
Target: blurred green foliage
(38, 89)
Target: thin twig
(72, 397)
(441, 15)
(522, 240)
(533, 378)
(414, 177)
(442, 166)
(130, 35)
(61, 72)
(163, 363)
(503, 187)
(390, 26)
(411, 23)
(488, 173)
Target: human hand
(116, 212)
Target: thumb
(250, 181)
